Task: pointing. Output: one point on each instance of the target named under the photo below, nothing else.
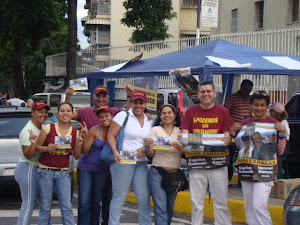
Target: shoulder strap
(126, 119)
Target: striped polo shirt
(238, 106)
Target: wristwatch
(114, 150)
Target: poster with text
(257, 157)
(205, 151)
(151, 103)
(183, 78)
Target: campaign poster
(151, 103)
(162, 143)
(205, 151)
(183, 78)
(63, 144)
(257, 158)
(79, 84)
(128, 157)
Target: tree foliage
(148, 18)
(27, 32)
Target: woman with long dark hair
(166, 125)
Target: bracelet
(114, 150)
(128, 96)
(147, 147)
(282, 135)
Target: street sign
(209, 13)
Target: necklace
(169, 133)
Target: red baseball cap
(99, 89)
(138, 94)
(104, 108)
(277, 106)
(39, 105)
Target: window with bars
(190, 3)
(234, 20)
(259, 15)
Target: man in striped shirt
(238, 103)
(239, 107)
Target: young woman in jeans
(166, 125)
(26, 169)
(92, 172)
(123, 175)
(57, 142)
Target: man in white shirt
(16, 101)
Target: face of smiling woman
(259, 108)
(65, 113)
(138, 107)
(105, 118)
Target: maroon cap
(99, 89)
(39, 105)
(138, 94)
(104, 108)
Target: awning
(193, 32)
(98, 21)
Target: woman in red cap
(123, 175)
(26, 169)
(57, 142)
(91, 172)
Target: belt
(54, 169)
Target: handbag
(106, 154)
(172, 181)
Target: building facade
(256, 15)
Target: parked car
(293, 154)
(292, 208)
(12, 121)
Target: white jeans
(218, 186)
(256, 195)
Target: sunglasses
(260, 93)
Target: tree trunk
(72, 41)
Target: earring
(174, 122)
(161, 123)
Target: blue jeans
(90, 189)
(122, 175)
(26, 176)
(163, 201)
(61, 180)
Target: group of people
(46, 166)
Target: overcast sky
(81, 12)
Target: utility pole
(198, 23)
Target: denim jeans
(122, 175)
(163, 201)
(26, 176)
(61, 180)
(90, 189)
(106, 198)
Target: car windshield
(12, 126)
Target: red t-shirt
(56, 161)
(216, 120)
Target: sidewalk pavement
(235, 204)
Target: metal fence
(281, 41)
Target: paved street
(10, 203)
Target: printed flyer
(257, 158)
(79, 84)
(162, 143)
(63, 145)
(205, 151)
(128, 157)
(183, 78)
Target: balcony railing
(189, 3)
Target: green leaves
(148, 17)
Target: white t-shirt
(287, 129)
(134, 135)
(16, 101)
(24, 140)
